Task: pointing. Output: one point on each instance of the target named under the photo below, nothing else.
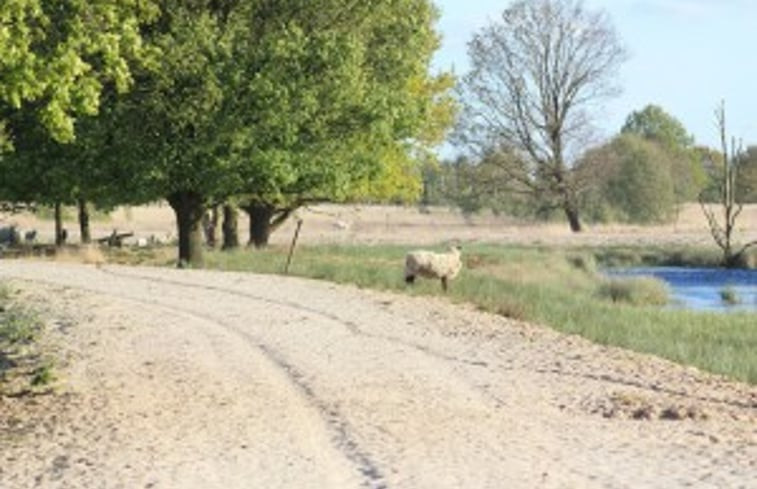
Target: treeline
(268, 105)
(641, 176)
(257, 105)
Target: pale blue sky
(685, 55)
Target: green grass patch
(555, 287)
(638, 291)
(671, 256)
(21, 364)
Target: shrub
(584, 262)
(637, 291)
(730, 296)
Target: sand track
(183, 379)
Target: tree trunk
(260, 223)
(84, 230)
(210, 226)
(189, 209)
(60, 233)
(229, 227)
(571, 212)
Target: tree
(536, 74)
(274, 102)
(171, 131)
(45, 171)
(729, 201)
(632, 180)
(747, 184)
(654, 124)
(57, 55)
(341, 106)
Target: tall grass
(557, 288)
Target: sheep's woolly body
(428, 264)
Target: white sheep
(428, 264)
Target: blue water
(699, 288)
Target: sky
(684, 55)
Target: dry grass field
(381, 224)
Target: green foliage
(21, 364)
(17, 326)
(747, 181)
(632, 181)
(653, 123)
(280, 102)
(730, 296)
(343, 108)
(43, 375)
(57, 55)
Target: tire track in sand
(342, 438)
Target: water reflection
(701, 288)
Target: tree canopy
(57, 55)
(632, 180)
(653, 123)
(275, 103)
(280, 103)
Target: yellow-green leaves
(59, 53)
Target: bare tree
(536, 75)
(728, 198)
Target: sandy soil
(197, 379)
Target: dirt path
(196, 379)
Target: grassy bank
(558, 288)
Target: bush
(730, 296)
(637, 291)
(584, 262)
(632, 180)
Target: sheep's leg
(444, 284)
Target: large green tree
(337, 104)
(170, 130)
(280, 102)
(85, 171)
(631, 180)
(57, 55)
(655, 124)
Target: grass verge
(555, 287)
(23, 368)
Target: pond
(701, 288)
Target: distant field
(378, 224)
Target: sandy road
(198, 379)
